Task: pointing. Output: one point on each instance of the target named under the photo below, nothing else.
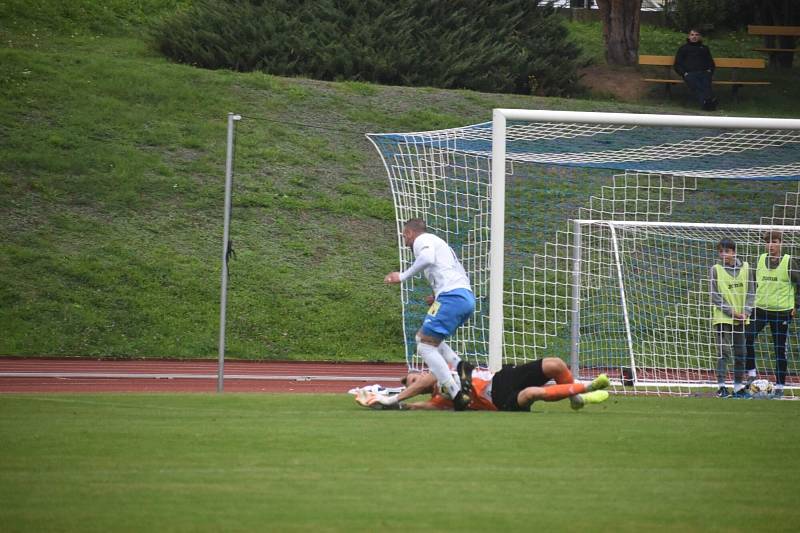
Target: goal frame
(501, 116)
(577, 227)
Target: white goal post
(500, 119)
(505, 195)
(650, 281)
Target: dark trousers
(699, 84)
(779, 327)
(731, 345)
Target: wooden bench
(770, 33)
(735, 64)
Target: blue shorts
(448, 312)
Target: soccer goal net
(642, 291)
(589, 236)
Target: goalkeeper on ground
(732, 296)
(513, 388)
(451, 305)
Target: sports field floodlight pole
(232, 119)
(498, 182)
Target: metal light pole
(232, 119)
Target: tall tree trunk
(621, 30)
(779, 13)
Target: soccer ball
(760, 388)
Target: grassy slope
(301, 463)
(111, 185)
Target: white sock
(737, 387)
(448, 382)
(451, 358)
(751, 372)
(778, 386)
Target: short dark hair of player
(417, 225)
(404, 379)
(726, 244)
(773, 235)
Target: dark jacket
(693, 57)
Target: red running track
(91, 375)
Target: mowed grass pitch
(319, 462)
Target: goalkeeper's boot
(598, 383)
(722, 392)
(578, 401)
(462, 399)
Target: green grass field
(319, 462)
(111, 189)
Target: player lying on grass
(513, 388)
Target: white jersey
(439, 264)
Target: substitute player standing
(452, 304)
(777, 297)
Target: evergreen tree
(511, 46)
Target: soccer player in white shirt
(451, 305)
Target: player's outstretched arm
(392, 277)
(430, 405)
(417, 384)
(381, 401)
